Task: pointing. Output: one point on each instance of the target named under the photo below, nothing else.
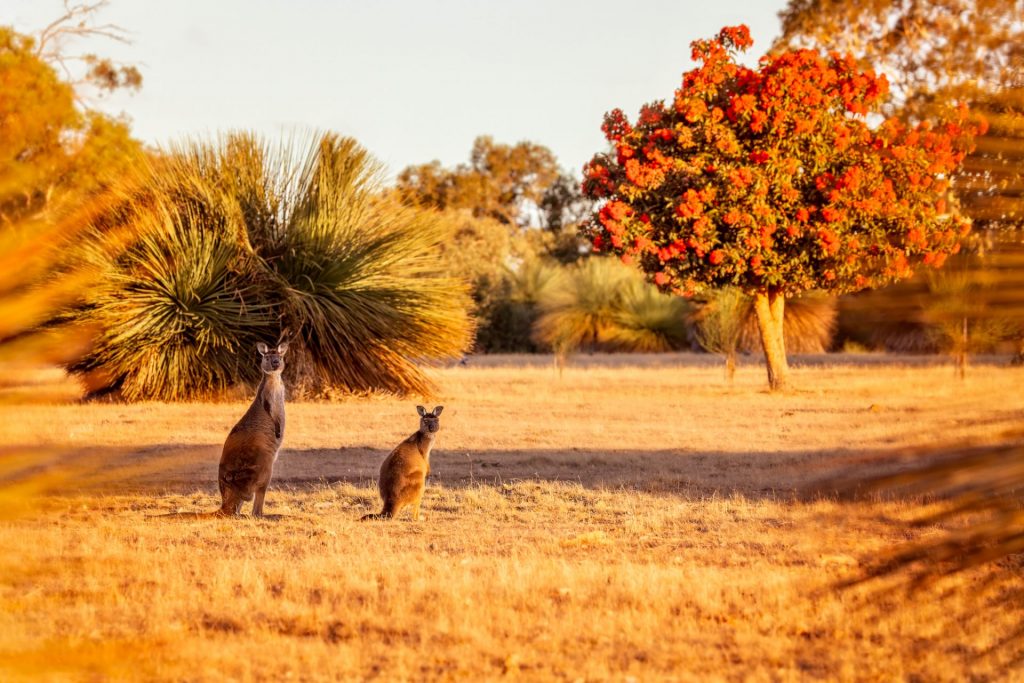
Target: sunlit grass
(625, 520)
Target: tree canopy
(771, 179)
(928, 50)
(518, 185)
(933, 52)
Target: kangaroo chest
(268, 408)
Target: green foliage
(516, 306)
(564, 245)
(501, 265)
(489, 204)
(243, 242)
(600, 304)
(172, 311)
(579, 312)
(647, 320)
(479, 251)
(518, 185)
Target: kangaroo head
(429, 421)
(272, 360)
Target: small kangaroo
(247, 461)
(403, 474)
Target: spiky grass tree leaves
(648, 321)
(601, 304)
(718, 321)
(176, 315)
(244, 242)
(358, 276)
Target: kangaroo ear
(282, 348)
(421, 410)
(437, 411)
(262, 348)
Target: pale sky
(412, 81)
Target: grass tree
(772, 180)
(241, 241)
(718, 323)
(957, 317)
(648, 321)
(724, 322)
(601, 305)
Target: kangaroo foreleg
(257, 506)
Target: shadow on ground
(688, 359)
(170, 469)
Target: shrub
(242, 242)
(600, 304)
(514, 307)
(648, 321)
(718, 321)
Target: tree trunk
(770, 307)
(730, 366)
(961, 355)
(560, 359)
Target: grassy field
(622, 521)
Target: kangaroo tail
(380, 515)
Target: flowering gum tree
(772, 180)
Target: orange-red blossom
(773, 178)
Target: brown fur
(403, 474)
(247, 461)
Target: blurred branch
(78, 22)
(976, 490)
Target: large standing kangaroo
(403, 474)
(247, 461)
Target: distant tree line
(303, 239)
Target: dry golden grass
(620, 522)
